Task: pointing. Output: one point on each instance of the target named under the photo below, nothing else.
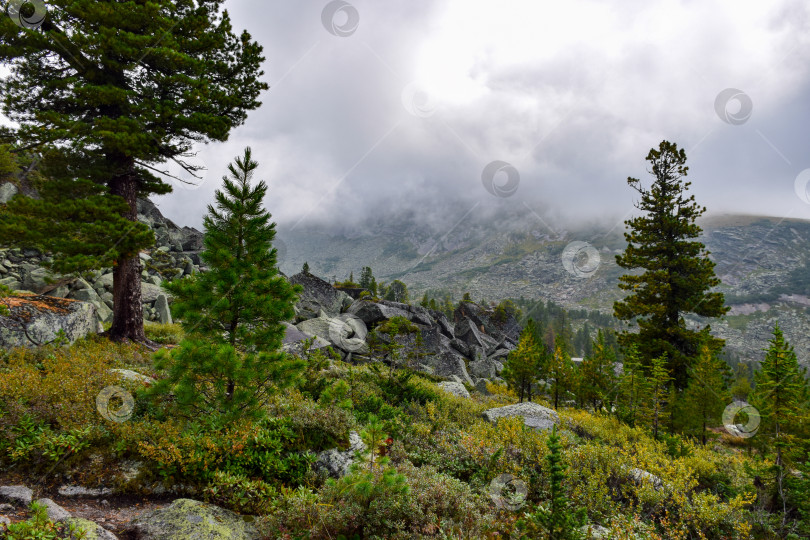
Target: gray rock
(19, 496)
(187, 519)
(467, 332)
(7, 191)
(134, 376)
(34, 278)
(55, 512)
(481, 386)
(372, 313)
(150, 293)
(317, 296)
(641, 476)
(12, 283)
(4, 521)
(335, 462)
(485, 368)
(91, 530)
(35, 320)
(339, 332)
(450, 364)
(455, 388)
(104, 312)
(78, 491)
(164, 314)
(534, 415)
(293, 341)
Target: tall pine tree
(522, 365)
(230, 362)
(677, 275)
(106, 92)
(597, 379)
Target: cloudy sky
(379, 106)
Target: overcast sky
(409, 105)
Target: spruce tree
(706, 396)
(677, 275)
(230, 362)
(780, 396)
(521, 367)
(367, 280)
(106, 92)
(397, 292)
(305, 268)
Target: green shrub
(239, 493)
(39, 527)
(165, 334)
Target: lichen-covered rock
(293, 341)
(79, 491)
(534, 415)
(347, 334)
(162, 308)
(187, 519)
(35, 320)
(455, 388)
(19, 496)
(450, 365)
(90, 530)
(134, 376)
(335, 462)
(640, 476)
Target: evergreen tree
(305, 268)
(555, 520)
(367, 280)
(634, 391)
(433, 305)
(425, 302)
(467, 298)
(706, 396)
(659, 380)
(780, 396)
(105, 93)
(597, 377)
(521, 368)
(678, 274)
(397, 292)
(230, 362)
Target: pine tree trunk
(127, 321)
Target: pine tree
(706, 395)
(555, 520)
(678, 275)
(425, 302)
(780, 395)
(106, 93)
(659, 403)
(521, 367)
(305, 268)
(230, 362)
(596, 374)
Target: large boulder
(35, 320)
(90, 529)
(345, 333)
(500, 326)
(372, 313)
(293, 341)
(449, 365)
(7, 191)
(186, 519)
(534, 415)
(317, 296)
(467, 332)
(455, 388)
(485, 368)
(19, 496)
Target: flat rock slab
(186, 519)
(78, 491)
(534, 415)
(16, 495)
(55, 512)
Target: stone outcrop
(35, 320)
(317, 296)
(457, 389)
(534, 415)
